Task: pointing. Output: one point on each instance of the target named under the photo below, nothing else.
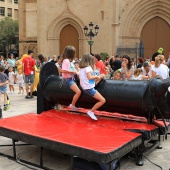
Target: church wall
(120, 22)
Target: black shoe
(27, 97)
(6, 107)
(31, 96)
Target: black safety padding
(129, 97)
(48, 69)
(160, 97)
(139, 98)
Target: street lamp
(4, 42)
(91, 34)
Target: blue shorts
(69, 81)
(3, 89)
(90, 92)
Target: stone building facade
(9, 8)
(126, 26)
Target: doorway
(69, 36)
(156, 34)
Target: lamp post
(4, 42)
(91, 34)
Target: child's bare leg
(101, 101)
(26, 88)
(31, 89)
(19, 90)
(77, 95)
(5, 98)
(22, 89)
(12, 88)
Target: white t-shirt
(84, 81)
(20, 78)
(137, 78)
(11, 76)
(149, 73)
(162, 71)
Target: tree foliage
(9, 30)
(104, 55)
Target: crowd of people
(89, 70)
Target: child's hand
(123, 65)
(97, 77)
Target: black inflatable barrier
(140, 98)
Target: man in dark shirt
(116, 64)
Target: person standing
(1, 60)
(147, 69)
(54, 60)
(127, 68)
(160, 69)
(20, 82)
(11, 75)
(99, 63)
(160, 51)
(116, 64)
(11, 61)
(28, 66)
(3, 88)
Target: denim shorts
(69, 81)
(90, 92)
(3, 89)
(29, 79)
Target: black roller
(48, 69)
(139, 98)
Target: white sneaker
(73, 107)
(91, 114)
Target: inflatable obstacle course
(127, 122)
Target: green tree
(9, 30)
(104, 55)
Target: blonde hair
(117, 71)
(161, 58)
(69, 53)
(157, 61)
(138, 71)
(87, 60)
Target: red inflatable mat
(112, 114)
(126, 122)
(71, 134)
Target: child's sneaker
(73, 107)
(56, 106)
(6, 107)
(91, 114)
